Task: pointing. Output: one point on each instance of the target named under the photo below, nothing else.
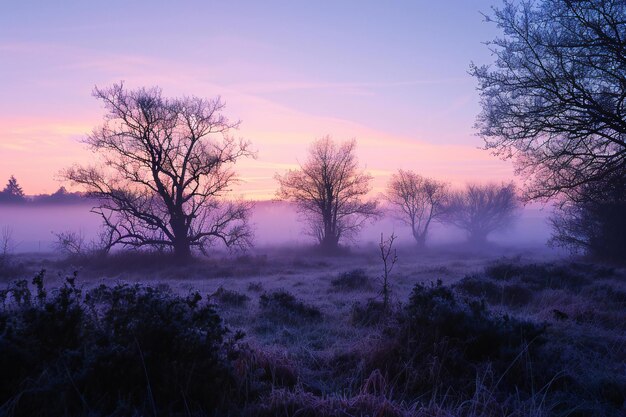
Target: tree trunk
(329, 243)
(330, 240)
(181, 243)
(182, 250)
(420, 240)
(478, 237)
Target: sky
(393, 75)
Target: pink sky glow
(401, 89)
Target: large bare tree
(416, 201)
(330, 192)
(480, 209)
(555, 97)
(166, 166)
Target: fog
(275, 224)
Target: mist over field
(275, 224)
(313, 209)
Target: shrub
(9, 268)
(502, 271)
(125, 350)
(229, 297)
(477, 286)
(255, 286)
(606, 294)
(287, 403)
(281, 305)
(442, 343)
(513, 295)
(258, 260)
(262, 370)
(541, 276)
(121, 261)
(370, 314)
(594, 224)
(352, 280)
(516, 295)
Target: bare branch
(329, 190)
(165, 173)
(417, 201)
(482, 209)
(555, 97)
(389, 257)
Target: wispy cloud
(280, 132)
(356, 88)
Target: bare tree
(482, 209)
(70, 243)
(75, 245)
(389, 257)
(417, 201)
(329, 191)
(6, 245)
(166, 168)
(555, 98)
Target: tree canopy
(166, 168)
(481, 209)
(417, 201)
(12, 192)
(555, 97)
(329, 190)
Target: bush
(287, 403)
(477, 286)
(541, 276)
(442, 343)
(255, 286)
(229, 297)
(122, 350)
(516, 295)
(503, 270)
(283, 306)
(512, 295)
(370, 314)
(261, 370)
(352, 280)
(594, 224)
(606, 294)
(9, 268)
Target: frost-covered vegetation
(293, 334)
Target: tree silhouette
(165, 170)
(329, 190)
(416, 201)
(555, 97)
(482, 209)
(595, 223)
(12, 192)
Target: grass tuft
(282, 306)
(353, 280)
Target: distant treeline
(14, 194)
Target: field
(497, 332)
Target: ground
(313, 346)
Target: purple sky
(391, 74)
